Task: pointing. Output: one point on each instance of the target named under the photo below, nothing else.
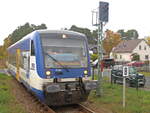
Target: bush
(94, 57)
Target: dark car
(134, 79)
(106, 63)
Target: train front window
(70, 52)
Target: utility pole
(103, 17)
(100, 57)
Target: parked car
(136, 64)
(134, 79)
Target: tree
(3, 48)
(121, 32)
(2, 55)
(95, 35)
(7, 42)
(17, 34)
(129, 35)
(132, 34)
(112, 39)
(147, 39)
(21, 31)
(85, 31)
(135, 57)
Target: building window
(115, 56)
(146, 57)
(145, 48)
(139, 47)
(120, 56)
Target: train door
(18, 64)
(32, 63)
(32, 58)
(25, 67)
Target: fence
(106, 73)
(144, 68)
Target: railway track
(43, 108)
(86, 109)
(77, 108)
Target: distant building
(125, 49)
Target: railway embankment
(8, 101)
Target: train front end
(67, 63)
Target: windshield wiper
(64, 67)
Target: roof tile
(126, 46)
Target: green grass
(145, 73)
(7, 100)
(136, 101)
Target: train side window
(32, 49)
(25, 60)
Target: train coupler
(68, 97)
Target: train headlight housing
(64, 36)
(48, 73)
(85, 72)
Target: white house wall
(142, 52)
(123, 57)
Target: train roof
(60, 31)
(29, 36)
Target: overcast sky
(57, 14)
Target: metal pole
(100, 56)
(93, 73)
(124, 91)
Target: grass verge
(8, 103)
(145, 73)
(136, 101)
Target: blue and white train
(54, 65)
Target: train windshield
(61, 53)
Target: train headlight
(48, 73)
(64, 36)
(85, 72)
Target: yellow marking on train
(18, 52)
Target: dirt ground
(24, 98)
(93, 107)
